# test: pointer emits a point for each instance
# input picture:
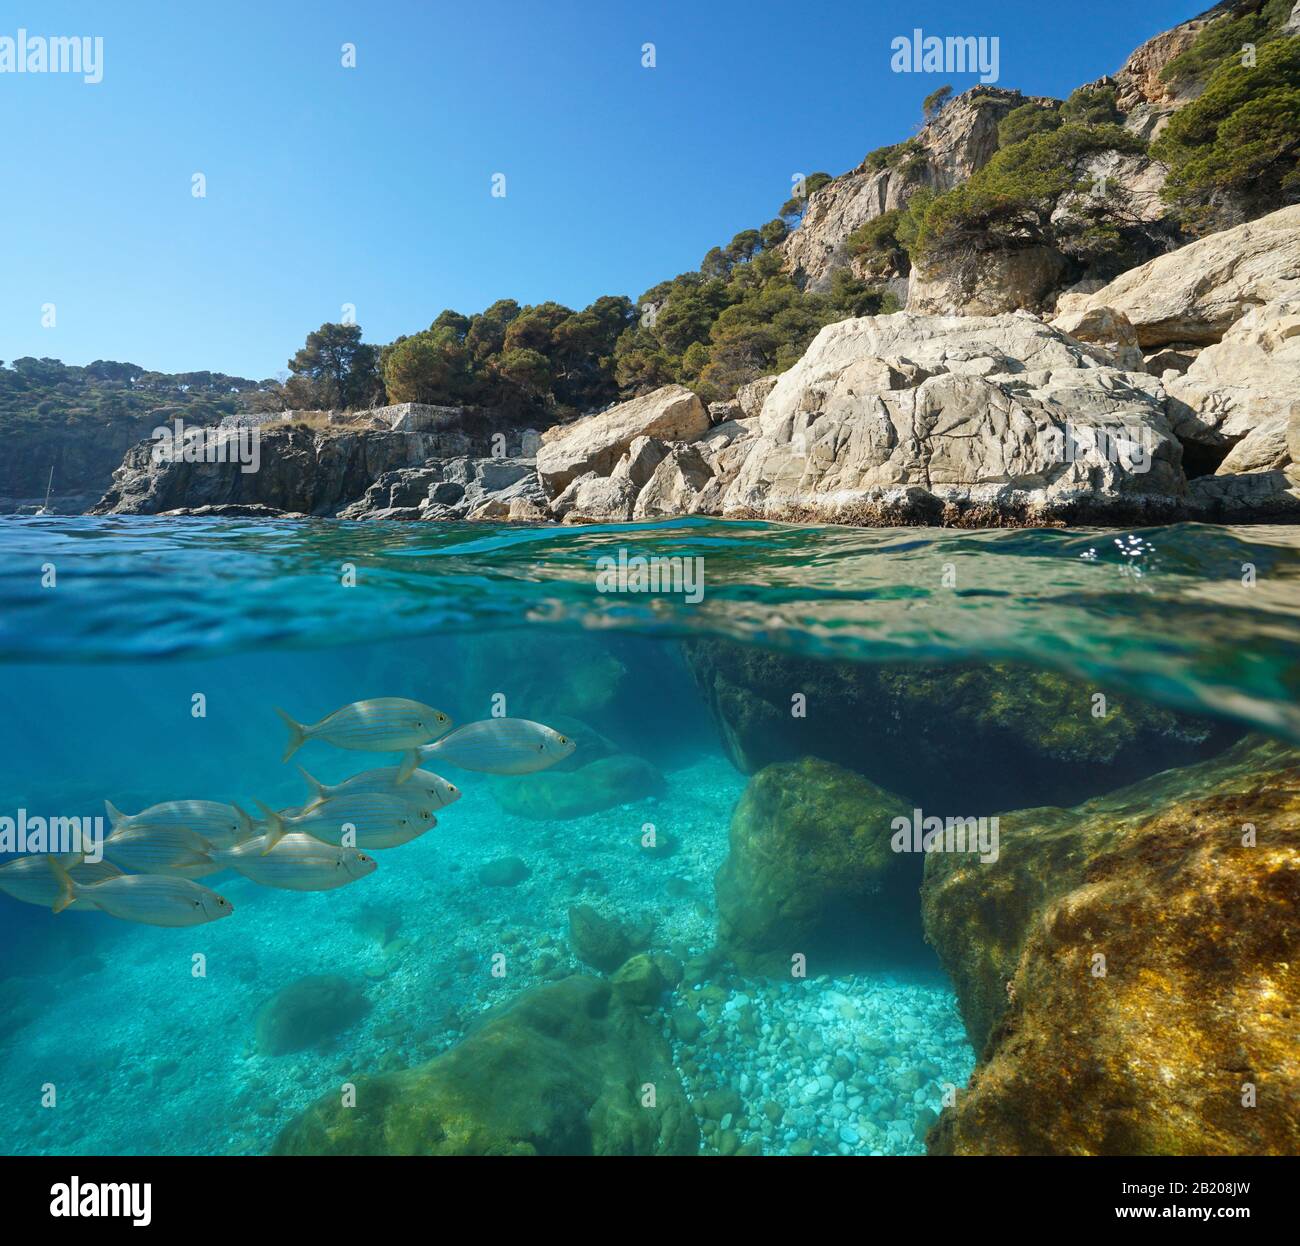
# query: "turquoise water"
(110, 629)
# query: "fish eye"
(563, 740)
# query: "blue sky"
(371, 185)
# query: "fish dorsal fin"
(116, 818)
(315, 785)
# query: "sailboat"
(45, 509)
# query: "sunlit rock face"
(1128, 968)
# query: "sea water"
(143, 660)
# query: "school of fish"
(152, 859)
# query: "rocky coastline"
(1166, 395)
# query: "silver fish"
(297, 862)
(494, 745)
(221, 825)
(148, 899)
(157, 849)
(381, 725)
(367, 821)
(423, 788)
(31, 880)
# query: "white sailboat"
(45, 509)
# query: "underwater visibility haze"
(793, 841)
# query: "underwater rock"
(810, 867)
(639, 981)
(560, 794)
(599, 941)
(965, 739)
(1128, 968)
(308, 1013)
(556, 1072)
(503, 872)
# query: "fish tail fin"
(316, 786)
(67, 888)
(410, 763)
(274, 827)
(115, 816)
(297, 734)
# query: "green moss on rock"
(308, 1013)
(1148, 1050)
(966, 738)
(810, 866)
(561, 1071)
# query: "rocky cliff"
(960, 140)
(1167, 395)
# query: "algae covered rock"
(1128, 969)
(503, 872)
(308, 1013)
(563, 1070)
(810, 867)
(967, 738)
(639, 981)
(599, 941)
(559, 794)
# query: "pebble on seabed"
(850, 1065)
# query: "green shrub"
(1239, 138)
(1026, 121)
(1225, 37)
(1011, 199)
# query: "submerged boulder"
(559, 794)
(602, 942)
(560, 1071)
(309, 1013)
(810, 868)
(966, 738)
(1128, 969)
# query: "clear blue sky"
(371, 185)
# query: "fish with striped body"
(160, 850)
(370, 820)
(221, 825)
(296, 862)
(147, 899)
(496, 746)
(423, 787)
(380, 725)
(31, 880)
